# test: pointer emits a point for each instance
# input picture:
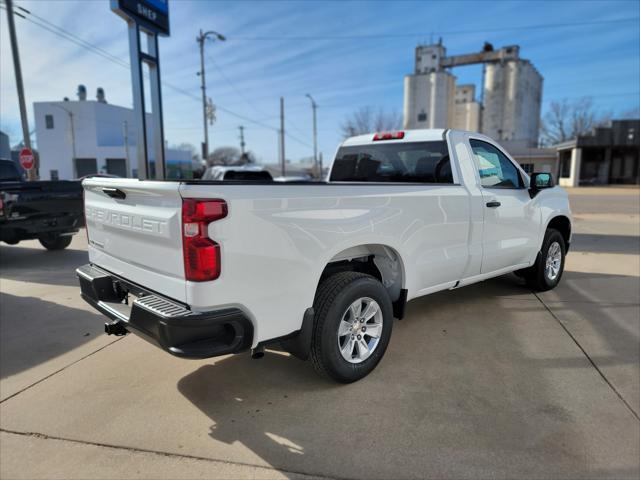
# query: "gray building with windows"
(609, 155)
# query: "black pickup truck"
(48, 211)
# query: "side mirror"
(540, 181)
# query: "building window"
(565, 165)
(527, 167)
(422, 117)
(54, 175)
(48, 121)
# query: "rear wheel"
(546, 273)
(353, 323)
(55, 242)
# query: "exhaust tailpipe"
(115, 328)
(257, 352)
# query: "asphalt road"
(487, 381)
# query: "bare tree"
(230, 156)
(367, 120)
(566, 120)
(632, 113)
(193, 152)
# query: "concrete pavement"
(486, 381)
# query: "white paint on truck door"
(511, 223)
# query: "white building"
(428, 100)
(466, 109)
(512, 94)
(429, 58)
(512, 101)
(77, 138)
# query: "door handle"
(114, 193)
(493, 204)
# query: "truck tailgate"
(45, 199)
(134, 231)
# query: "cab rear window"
(416, 162)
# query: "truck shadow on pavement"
(471, 385)
(33, 331)
(38, 265)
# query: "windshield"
(415, 162)
(8, 171)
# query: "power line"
(442, 32)
(67, 35)
(71, 38)
(75, 37)
(250, 104)
(63, 33)
(233, 86)
(598, 95)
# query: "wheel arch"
(379, 260)
(562, 223)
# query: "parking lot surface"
(490, 380)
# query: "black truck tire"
(546, 273)
(55, 242)
(350, 298)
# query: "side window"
(495, 169)
(48, 121)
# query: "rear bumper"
(162, 321)
(32, 228)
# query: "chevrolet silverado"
(203, 269)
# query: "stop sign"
(26, 159)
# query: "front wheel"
(55, 242)
(353, 323)
(545, 274)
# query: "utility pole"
(282, 154)
(203, 85)
(241, 140)
(73, 135)
(314, 106)
(26, 139)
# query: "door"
(86, 166)
(117, 166)
(511, 222)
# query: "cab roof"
(424, 135)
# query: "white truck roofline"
(418, 135)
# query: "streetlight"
(315, 136)
(201, 39)
(73, 136)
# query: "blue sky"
(347, 54)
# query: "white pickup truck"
(203, 269)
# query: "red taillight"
(388, 136)
(201, 254)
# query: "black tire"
(334, 296)
(55, 242)
(536, 276)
